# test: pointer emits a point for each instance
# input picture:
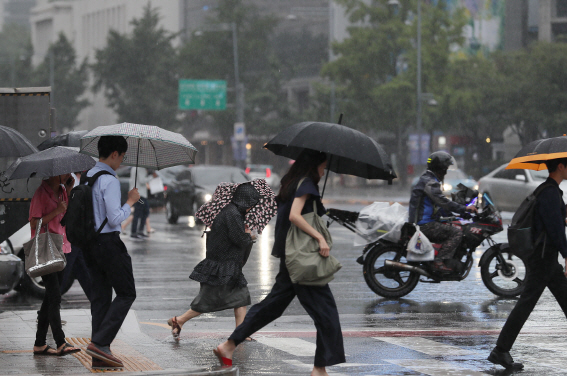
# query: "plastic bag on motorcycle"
(380, 220)
(419, 247)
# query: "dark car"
(194, 186)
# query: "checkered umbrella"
(257, 217)
(148, 146)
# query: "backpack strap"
(91, 180)
(543, 234)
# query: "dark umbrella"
(14, 144)
(67, 139)
(350, 151)
(533, 155)
(58, 160)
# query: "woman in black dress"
(293, 201)
(229, 242)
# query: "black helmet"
(440, 162)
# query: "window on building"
(561, 8)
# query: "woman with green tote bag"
(295, 200)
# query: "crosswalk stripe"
(426, 346)
(434, 367)
(305, 366)
(293, 346)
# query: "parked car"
(451, 180)
(194, 186)
(507, 188)
(260, 171)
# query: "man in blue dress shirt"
(111, 267)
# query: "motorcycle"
(389, 274)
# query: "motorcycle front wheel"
(388, 283)
(507, 284)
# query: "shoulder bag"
(302, 259)
(44, 253)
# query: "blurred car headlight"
(447, 187)
(208, 197)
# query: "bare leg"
(226, 348)
(182, 320)
(127, 222)
(148, 227)
(239, 314)
(319, 371)
(187, 316)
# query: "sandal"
(68, 349)
(46, 351)
(250, 339)
(174, 325)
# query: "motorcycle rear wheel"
(499, 283)
(387, 283)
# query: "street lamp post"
(418, 117)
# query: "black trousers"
(544, 272)
(448, 235)
(76, 265)
(49, 314)
(141, 213)
(319, 304)
(112, 269)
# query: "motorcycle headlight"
(208, 197)
(447, 187)
(475, 187)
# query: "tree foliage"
(69, 82)
(138, 72)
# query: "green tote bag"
(302, 259)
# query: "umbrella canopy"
(257, 218)
(148, 146)
(58, 160)
(68, 139)
(350, 151)
(533, 155)
(14, 144)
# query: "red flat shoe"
(225, 362)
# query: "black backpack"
(79, 220)
(520, 232)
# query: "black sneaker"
(142, 235)
(504, 359)
(136, 237)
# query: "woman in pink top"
(49, 203)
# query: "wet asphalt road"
(438, 329)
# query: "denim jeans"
(141, 213)
(49, 313)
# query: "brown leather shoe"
(96, 352)
(439, 266)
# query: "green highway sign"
(202, 95)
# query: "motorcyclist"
(428, 203)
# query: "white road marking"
(293, 346)
(434, 367)
(426, 346)
(305, 366)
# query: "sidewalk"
(141, 354)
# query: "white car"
(256, 171)
(508, 188)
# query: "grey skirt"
(218, 298)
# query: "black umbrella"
(58, 160)
(14, 144)
(68, 139)
(533, 155)
(350, 151)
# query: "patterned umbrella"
(256, 219)
(148, 146)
